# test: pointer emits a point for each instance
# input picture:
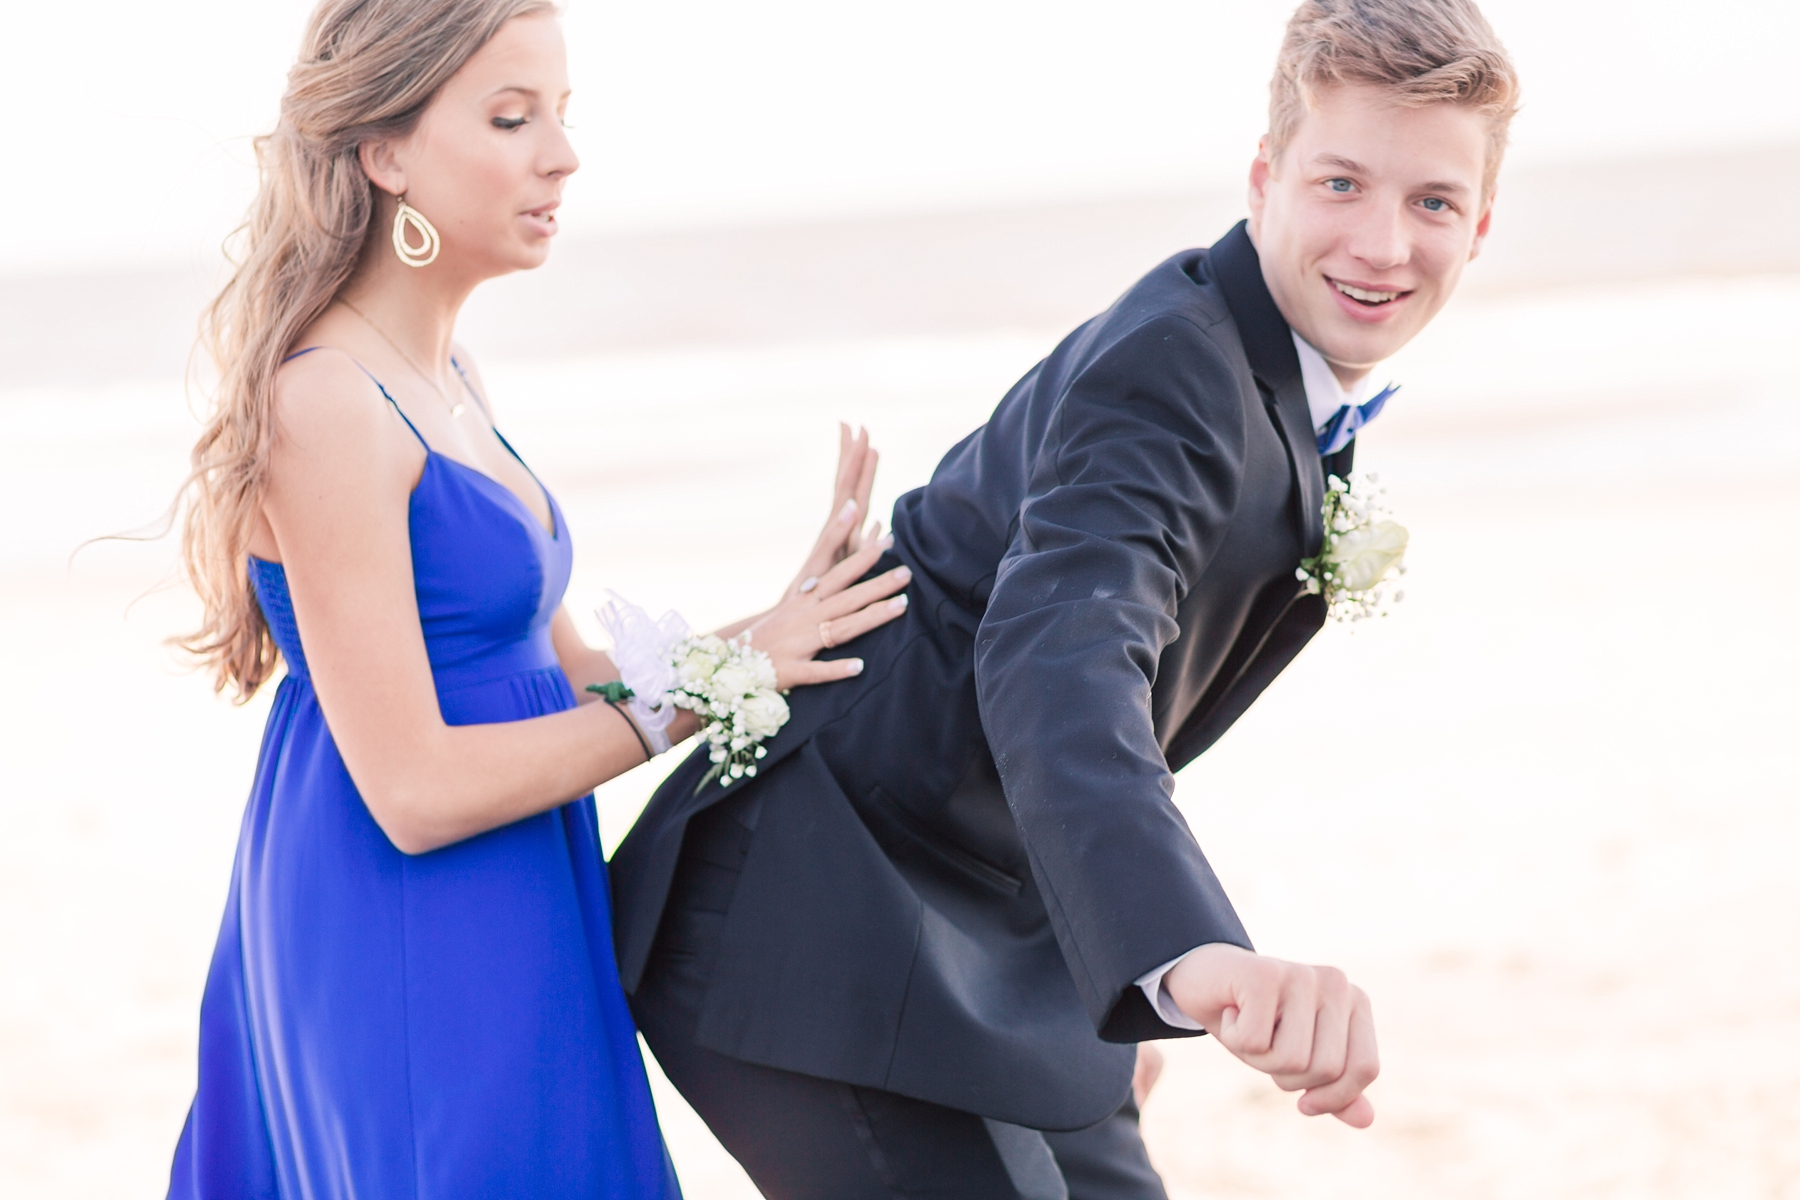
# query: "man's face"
(1366, 219)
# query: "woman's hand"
(835, 610)
(844, 533)
(825, 607)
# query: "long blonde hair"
(367, 70)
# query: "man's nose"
(1379, 237)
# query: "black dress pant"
(805, 1138)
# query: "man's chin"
(1357, 346)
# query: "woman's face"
(487, 162)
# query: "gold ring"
(825, 634)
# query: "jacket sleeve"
(1132, 496)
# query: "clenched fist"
(1308, 1028)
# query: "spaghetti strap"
(464, 375)
(480, 402)
(398, 411)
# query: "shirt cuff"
(1160, 1000)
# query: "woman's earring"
(422, 254)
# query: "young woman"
(413, 992)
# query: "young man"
(958, 891)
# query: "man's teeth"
(1363, 294)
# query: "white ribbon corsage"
(728, 684)
(1364, 547)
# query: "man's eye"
(508, 122)
(1434, 204)
(1339, 185)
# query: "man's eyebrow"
(1444, 185)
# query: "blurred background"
(1545, 814)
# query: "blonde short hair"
(1417, 51)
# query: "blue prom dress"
(440, 1026)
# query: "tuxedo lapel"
(1269, 347)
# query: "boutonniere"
(1364, 548)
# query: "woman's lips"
(542, 220)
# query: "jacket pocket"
(944, 853)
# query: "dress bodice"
(486, 576)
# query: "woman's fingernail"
(848, 511)
(853, 666)
(903, 574)
(808, 584)
(887, 543)
(898, 603)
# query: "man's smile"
(1366, 303)
(1368, 296)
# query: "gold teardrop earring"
(426, 251)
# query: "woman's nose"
(562, 159)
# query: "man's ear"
(382, 167)
(1261, 171)
(1481, 228)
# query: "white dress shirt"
(1324, 397)
(1324, 394)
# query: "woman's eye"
(508, 122)
(1339, 185)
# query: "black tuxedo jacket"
(964, 857)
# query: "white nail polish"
(898, 603)
(853, 666)
(808, 584)
(848, 511)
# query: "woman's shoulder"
(324, 401)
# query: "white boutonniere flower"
(1364, 549)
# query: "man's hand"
(1308, 1028)
(1149, 1070)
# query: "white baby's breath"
(1364, 547)
(730, 686)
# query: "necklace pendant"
(456, 410)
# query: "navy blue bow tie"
(1347, 420)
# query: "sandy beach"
(1545, 813)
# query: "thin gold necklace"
(455, 407)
